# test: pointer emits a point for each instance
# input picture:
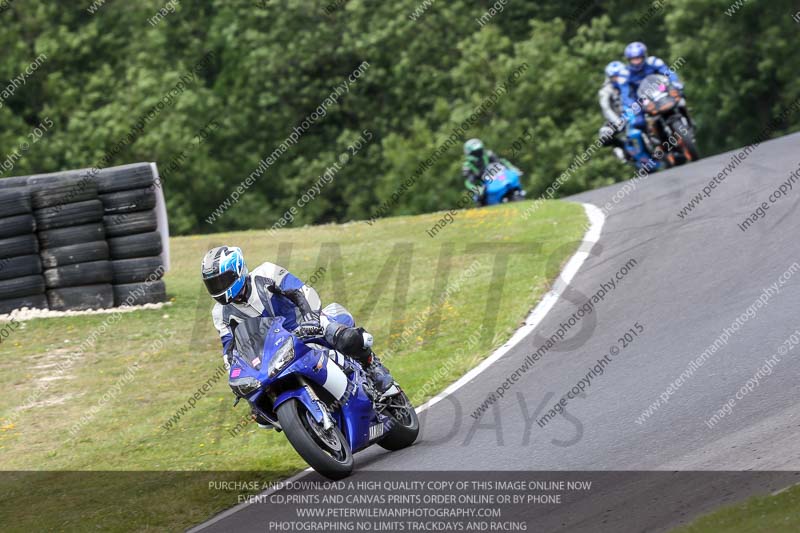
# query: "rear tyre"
(404, 423)
(327, 452)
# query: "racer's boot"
(379, 374)
(357, 343)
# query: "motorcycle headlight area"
(243, 386)
(282, 358)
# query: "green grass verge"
(176, 351)
(769, 514)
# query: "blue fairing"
(357, 414)
(637, 149)
(501, 185)
(353, 413)
(302, 395)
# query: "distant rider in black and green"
(477, 159)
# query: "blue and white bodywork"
(331, 397)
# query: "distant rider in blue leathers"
(639, 67)
(272, 291)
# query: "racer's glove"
(272, 287)
(229, 355)
(309, 326)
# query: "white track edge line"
(596, 221)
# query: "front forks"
(327, 421)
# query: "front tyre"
(690, 148)
(404, 423)
(517, 195)
(686, 142)
(327, 452)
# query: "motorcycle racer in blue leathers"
(639, 67)
(271, 291)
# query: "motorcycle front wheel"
(686, 142)
(690, 149)
(326, 451)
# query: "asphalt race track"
(691, 279)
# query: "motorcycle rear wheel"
(327, 452)
(405, 424)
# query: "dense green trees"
(431, 66)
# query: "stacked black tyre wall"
(21, 280)
(74, 252)
(81, 239)
(131, 226)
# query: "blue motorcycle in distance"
(500, 184)
(321, 400)
(636, 144)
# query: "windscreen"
(494, 172)
(249, 336)
(653, 87)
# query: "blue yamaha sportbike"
(323, 401)
(500, 184)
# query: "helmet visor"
(217, 285)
